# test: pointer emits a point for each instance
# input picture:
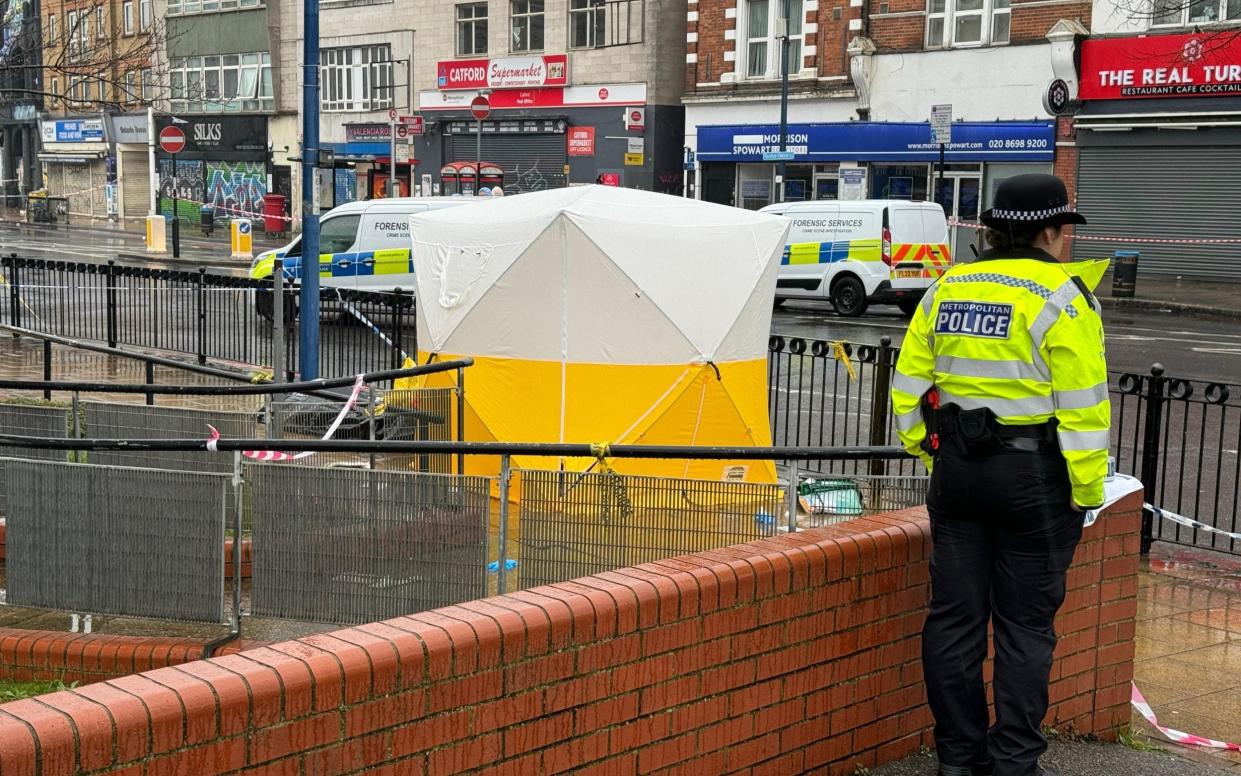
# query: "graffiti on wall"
(186, 182)
(236, 187)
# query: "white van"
(862, 252)
(362, 245)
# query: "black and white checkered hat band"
(1030, 215)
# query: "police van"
(861, 252)
(362, 245)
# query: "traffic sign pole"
(176, 217)
(172, 140)
(481, 108)
(392, 150)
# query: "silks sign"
(880, 141)
(1195, 65)
(505, 73)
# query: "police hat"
(1033, 199)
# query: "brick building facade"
(863, 77)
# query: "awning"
(1184, 113)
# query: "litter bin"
(274, 222)
(206, 216)
(1124, 273)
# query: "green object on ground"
(15, 691)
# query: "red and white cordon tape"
(1137, 240)
(1189, 739)
(273, 455)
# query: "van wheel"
(849, 296)
(909, 306)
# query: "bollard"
(242, 238)
(1124, 273)
(157, 234)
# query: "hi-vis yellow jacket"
(1016, 335)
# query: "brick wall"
(778, 656)
(903, 26)
(1066, 166)
(85, 658)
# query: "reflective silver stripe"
(928, 300)
(915, 386)
(908, 421)
(1059, 302)
(1082, 398)
(1004, 408)
(1000, 369)
(1084, 440)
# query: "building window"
(207, 6)
(587, 23)
(127, 15)
(527, 25)
(214, 84)
(131, 86)
(357, 78)
(471, 29)
(51, 29)
(967, 23)
(148, 86)
(101, 31)
(762, 44)
(144, 14)
(1178, 13)
(71, 32)
(56, 87)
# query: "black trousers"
(1003, 536)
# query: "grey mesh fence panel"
(138, 421)
(32, 420)
(421, 414)
(106, 539)
(574, 524)
(354, 546)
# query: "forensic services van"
(362, 245)
(861, 252)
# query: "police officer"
(1001, 389)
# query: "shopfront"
(129, 134)
(545, 132)
(78, 166)
(224, 165)
(1159, 151)
(362, 166)
(877, 160)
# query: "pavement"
(1079, 758)
(1199, 298)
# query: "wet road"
(1187, 347)
(127, 247)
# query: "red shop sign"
(504, 73)
(1162, 66)
(581, 141)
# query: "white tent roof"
(596, 274)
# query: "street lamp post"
(783, 31)
(308, 326)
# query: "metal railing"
(206, 315)
(349, 546)
(1178, 436)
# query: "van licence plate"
(908, 273)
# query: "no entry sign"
(171, 140)
(480, 107)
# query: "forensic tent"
(604, 315)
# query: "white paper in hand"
(1115, 488)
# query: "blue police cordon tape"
(494, 566)
(1190, 522)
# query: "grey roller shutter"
(531, 162)
(136, 180)
(1165, 193)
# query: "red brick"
(666, 753)
(575, 753)
(538, 734)
(474, 753)
(538, 671)
(279, 741)
(216, 757)
(597, 716)
(349, 756)
(426, 734)
(508, 710)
